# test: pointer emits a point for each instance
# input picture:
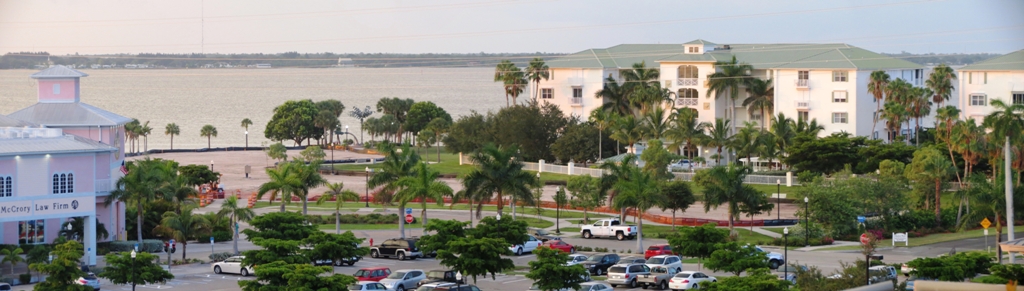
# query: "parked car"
(400, 248)
(433, 286)
(233, 265)
(366, 285)
(560, 245)
(401, 280)
(88, 280)
(788, 272)
(438, 276)
(673, 263)
(531, 244)
(609, 228)
(632, 260)
(329, 262)
(906, 269)
(882, 273)
(689, 280)
(374, 274)
(627, 274)
(680, 165)
(585, 286)
(774, 259)
(598, 264)
(5, 287)
(657, 250)
(657, 278)
(457, 288)
(542, 235)
(576, 259)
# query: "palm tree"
(746, 142)
(172, 129)
(893, 114)
(284, 183)
(732, 75)
(131, 130)
(337, 192)
(237, 212)
(811, 128)
(618, 172)
(144, 131)
(784, 131)
(310, 176)
(628, 130)
(718, 137)
(614, 98)
(184, 226)
(769, 148)
(177, 190)
(762, 97)
(724, 185)
(947, 118)
(515, 83)
(422, 185)
(208, 131)
(941, 83)
(500, 71)
(988, 199)
(12, 256)
(536, 71)
(245, 124)
(898, 92)
(1006, 123)
(969, 141)
(397, 163)
(601, 119)
(641, 188)
(439, 126)
(499, 172)
(646, 98)
(361, 115)
(139, 187)
(655, 123)
(920, 106)
(639, 76)
(877, 85)
(686, 130)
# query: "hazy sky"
(463, 26)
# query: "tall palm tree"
(499, 172)
(686, 130)
(947, 118)
(808, 128)
(361, 115)
(310, 176)
(184, 227)
(284, 183)
(641, 85)
(237, 212)
(515, 83)
(131, 133)
(144, 131)
(941, 83)
(655, 123)
(398, 163)
(769, 148)
(733, 74)
(988, 199)
(536, 71)
(746, 142)
(139, 187)
(245, 124)
(642, 191)
(500, 75)
(615, 98)
(337, 192)
(602, 119)
(172, 129)
(968, 139)
(899, 92)
(647, 98)
(628, 130)
(761, 97)
(724, 185)
(718, 137)
(177, 190)
(208, 131)
(423, 184)
(920, 106)
(877, 85)
(1006, 123)
(893, 113)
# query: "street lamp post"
(778, 198)
(133, 271)
(785, 255)
(807, 222)
(211, 165)
(246, 140)
(368, 173)
(558, 208)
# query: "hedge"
(148, 245)
(217, 257)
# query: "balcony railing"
(686, 101)
(687, 82)
(802, 83)
(803, 105)
(575, 81)
(576, 101)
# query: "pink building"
(59, 159)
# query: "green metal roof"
(700, 41)
(1009, 62)
(620, 56)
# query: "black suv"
(400, 248)
(598, 264)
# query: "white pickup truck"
(609, 228)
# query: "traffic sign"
(211, 240)
(861, 219)
(408, 218)
(864, 239)
(985, 223)
(408, 211)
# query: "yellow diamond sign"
(985, 223)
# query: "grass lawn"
(926, 240)
(570, 230)
(345, 227)
(536, 222)
(449, 165)
(745, 235)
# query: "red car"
(374, 274)
(560, 245)
(657, 250)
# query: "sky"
(496, 26)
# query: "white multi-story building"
(827, 82)
(999, 78)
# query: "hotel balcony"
(575, 81)
(576, 101)
(686, 101)
(687, 82)
(802, 84)
(803, 105)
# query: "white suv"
(672, 263)
(402, 280)
(233, 265)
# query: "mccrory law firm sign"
(57, 207)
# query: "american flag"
(124, 169)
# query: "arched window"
(56, 183)
(687, 97)
(71, 183)
(63, 183)
(687, 71)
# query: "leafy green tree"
(549, 272)
(123, 269)
(334, 246)
(584, 193)
(172, 129)
(578, 143)
(602, 120)
(698, 242)
(955, 268)
(63, 270)
(279, 235)
(138, 187)
(423, 184)
(724, 185)
(293, 120)
(873, 152)
(512, 232)
(834, 203)
(734, 258)
(930, 166)
(12, 256)
(278, 151)
(38, 254)
(422, 113)
(824, 155)
(238, 213)
(499, 172)
(284, 183)
(312, 153)
(532, 129)
(444, 231)
(1013, 273)
(184, 227)
(337, 192)
(756, 279)
(677, 197)
(398, 109)
(656, 160)
(477, 256)
(468, 134)
(208, 131)
(275, 276)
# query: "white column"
(789, 179)
(571, 166)
(90, 240)
(540, 166)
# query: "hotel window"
(1018, 98)
(547, 93)
(756, 116)
(803, 115)
(694, 49)
(840, 76)
(803, 75)
(978, 100)
(838, 96)
(839, 117)
(31, 232)
(577, 92)
(56, 89)
(63, 183)
(6, 186)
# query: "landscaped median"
(924, 240)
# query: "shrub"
(25, 278)
(217, 257)
(220, 235)
(989, 280)
(148, 245)
(806, 177)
